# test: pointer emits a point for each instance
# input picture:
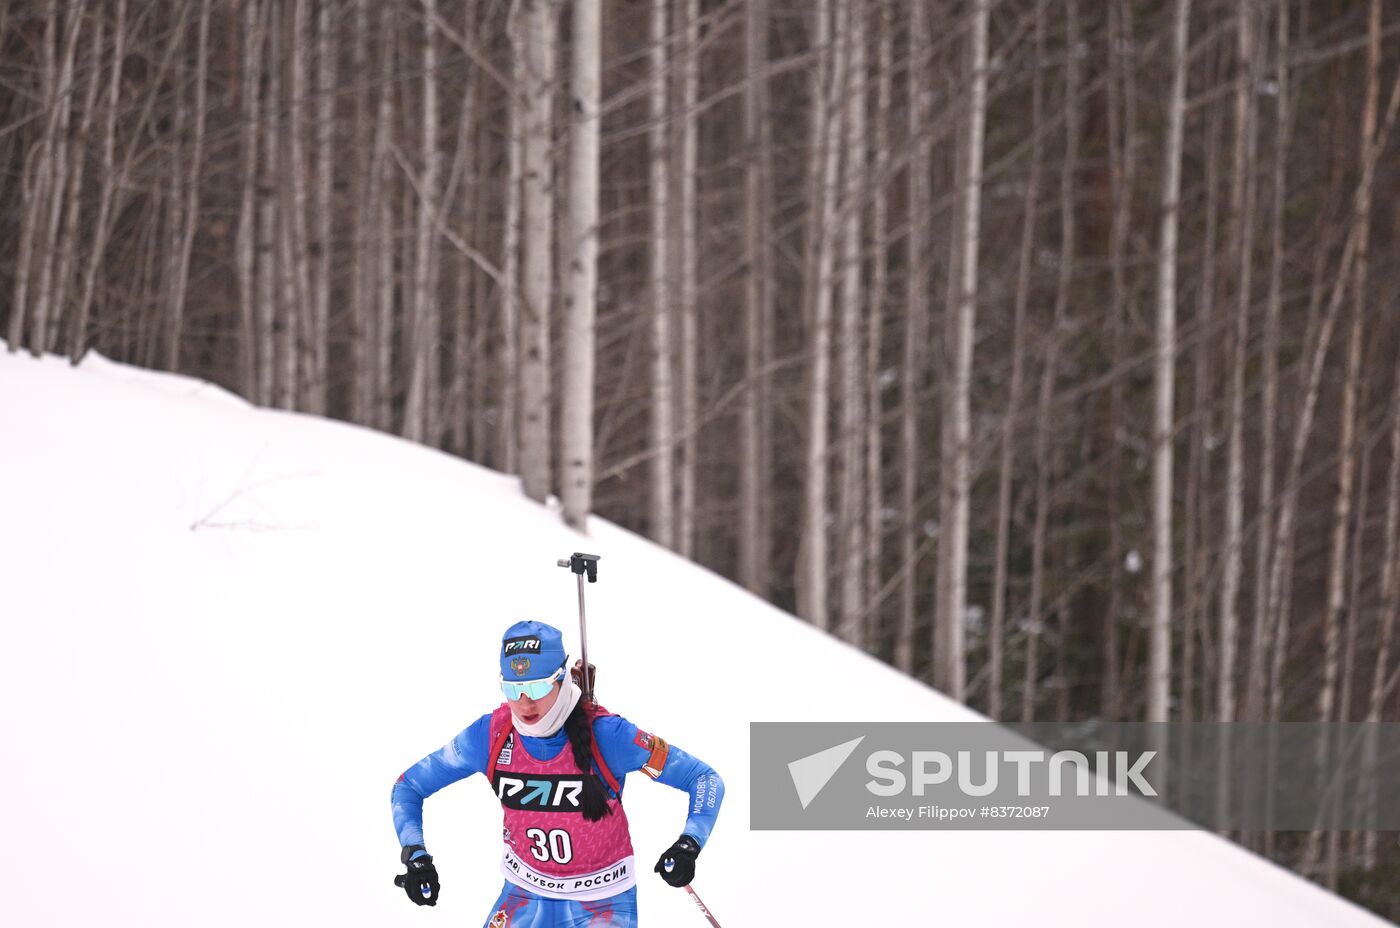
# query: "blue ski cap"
(531, 651)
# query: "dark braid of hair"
(579, 727)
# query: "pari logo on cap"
(526, 645)
(531, 650)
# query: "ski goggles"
(535, 689)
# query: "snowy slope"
(224, 631)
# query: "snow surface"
(224, 631)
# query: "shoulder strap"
(596, 712)
(499, 733)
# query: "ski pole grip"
(582, 564)
(585, 684)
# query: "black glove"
(421, 880)
(677, 865)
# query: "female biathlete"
(557, 763)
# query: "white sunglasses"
(535, 689)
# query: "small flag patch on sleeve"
(658, 747)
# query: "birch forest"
(1046, 349)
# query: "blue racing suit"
(624, 749)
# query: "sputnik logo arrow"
(811, 773)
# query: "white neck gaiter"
(553, 720)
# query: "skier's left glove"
(421, 880)
(677, 864)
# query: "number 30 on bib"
(552, 845)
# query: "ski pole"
(703, 910)
(583, 565)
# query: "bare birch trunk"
(190, 213)
(406, 237)
(31, 195)
(1335, 601)
(460, 417)
(430, 324)
(1268, 404)
(482, 388)
(277, 306)
(874, 334)
(950, 665)
(1352, 617)
(996, 632)
(538, 259)
(945, 366)
(155, 337)
(1044, 458)
(361, 271)
(1159, 671)
(245, 248)
(580, 289)
(326, 94)
(385, 309)
(150, 281)
(753, 536)
(850, 502)
(297, 233)
(34, 175)
(108, 185)
(690, 284)
(264, 233)
(1241, 248)
(1346, 460)
(34, 246)
(508, 432)
(1034, 625)
(915, 321)
(73, 201)
(1200, 528)
(459, 413)
(379, 288)
(1354, 612)
(423, 325)
(56, 160)
(662, 522)
(812, 602)
(1346, 445)
(1122, 113)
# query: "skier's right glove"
(677, 863)
(421, 880)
